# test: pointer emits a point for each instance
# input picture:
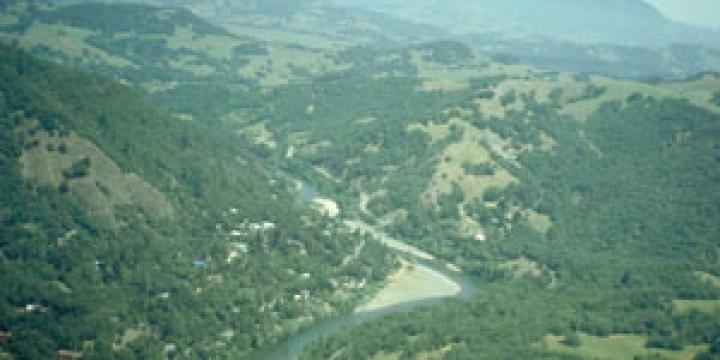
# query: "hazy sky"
(696, 12)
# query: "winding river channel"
(292, 347)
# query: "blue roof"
(199, 263)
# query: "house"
(169, 348)
(199, 263)
(31, 308)
(265, 225)
(237, 249)
(240, 246)
(453, 267)
(68, 354)
(304, 295)
(480, 236)
(65, 238)
(237, 232)
(232, 256)
(305, 276)
(165, 295)
(4, 335)
(234, 211)
(267, 306)
(326, 207)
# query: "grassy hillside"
(153, 47)
(312, 23)
(129, 232)
(415, 134)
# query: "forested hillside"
(584, 205)
(151, 161)
(129, 232)
(154, 47)
(632, 248)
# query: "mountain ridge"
(625, 22)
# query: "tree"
(572, 340)
(79, 169)
(508, 98)
(492, 194)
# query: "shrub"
(79, 169)
(571, 340)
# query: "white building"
(232, 256)
(240, 246)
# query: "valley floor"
(387, 240)
(413, 282)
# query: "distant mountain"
(158, 47)
(339, 24)
(624, 22)
(623, 61)
(621, 38)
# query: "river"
(291, 348)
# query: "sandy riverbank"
(412, 282)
